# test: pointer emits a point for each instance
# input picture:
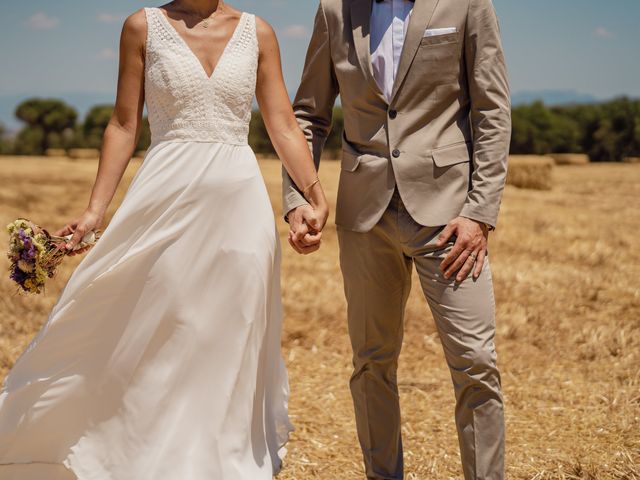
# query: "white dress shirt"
(389, 22)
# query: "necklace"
(205, 21)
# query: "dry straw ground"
(566, 265)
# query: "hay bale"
(570, 158)
(84, 153)
(55, 152)
(631, 160)
(530, 171)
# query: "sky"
(68, 48)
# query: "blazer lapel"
(361, 29)
(420, 18)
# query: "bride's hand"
(307, 223)
(317, 219)
(78, 228)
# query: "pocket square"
(433, 32)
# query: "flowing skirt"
(161, 359)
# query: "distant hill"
(552, 97)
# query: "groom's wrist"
(484, 225)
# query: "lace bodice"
(183, 103)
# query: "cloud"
(602, 32)
(42, 21)
(295, 31)
(110, 18)
(107, 54)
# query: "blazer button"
(395, 153)
(393, 114)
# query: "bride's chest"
(171, 68)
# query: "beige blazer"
(443, 139)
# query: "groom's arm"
(490, 116)
(490, 113)
(313, 105)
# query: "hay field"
(566, 264)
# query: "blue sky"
(68, 47)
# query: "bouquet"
(35, 254)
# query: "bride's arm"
(122, 133)
(285, 133)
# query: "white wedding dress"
(161, 359)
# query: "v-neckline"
(180, 39)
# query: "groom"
(424, 91)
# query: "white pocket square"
(433, 32)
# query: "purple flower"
(29, 254)
(18, 276)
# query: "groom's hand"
(305, 233)
(468, 252)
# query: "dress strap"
(248, 39)
(152, 25)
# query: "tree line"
(608, 131)
(51, 123)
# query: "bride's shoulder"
(136, 23)
(134, 29)
(137, 19)
(264, 31)
(267, 39)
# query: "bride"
(161, 358)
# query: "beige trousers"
(376, 266)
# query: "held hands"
(79, 227)
(306, 224)
(468, 252)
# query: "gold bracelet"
(305, 191)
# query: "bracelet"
(305, 191)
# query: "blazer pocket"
(350, 161)
(438, 58)
(452, 154)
